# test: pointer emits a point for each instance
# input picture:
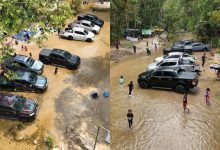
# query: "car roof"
(167, 69)
(85, 21)
(21, 75)
(171, 60)
(20, 58)
(78, 29)
(7, 100)
(175, 53)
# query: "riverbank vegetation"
(201, 17)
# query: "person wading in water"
(130, 87)
(130, 117)
(185, 102)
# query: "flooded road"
(159, 120)
(66, 102)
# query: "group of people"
(206, 97)
(130, 115)
(117, 43)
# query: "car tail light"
(193, 82)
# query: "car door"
(57, 60)
(80, 35)
(167, 80)
(20, 85)
(197, 46)
(7, 112)
(86, 26)
(155, 79)
(20, 66)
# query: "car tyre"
(144, 85)
(180, 89)
(70, 38)
(89, 40)
(205, 49)
(94, 32)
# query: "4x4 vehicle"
(23, 63)
(168, 78)
(24, 81)
(59, 57)
(199, 46)
(94, 19)
(77, 33)
(88, 25)
(184, 65)
(17, 107)
(175, 48)
(183, 43)
(184, 56)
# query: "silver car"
(185, 65)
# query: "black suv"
(23, 63)
(172, 78)
(59, 57)
(178, 48)
(17, 107)
(94, 19)
(24, 81)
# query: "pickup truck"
(59, 57)
(186, 49)
(168, 78)
(94, 19)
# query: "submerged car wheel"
(88, 40)
(70, 38)
(144, 85)
(180, 89)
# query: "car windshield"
(86, 32)
(67, 55)
(32, 78)
(29, 62)
(159, 63)
(19, 102)
(92, 24)
(165, 56)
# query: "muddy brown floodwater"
(159, 120)
(67, 102)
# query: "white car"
(185, 65)
(77, 33)
(184, 56)
(88, 25)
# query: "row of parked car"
(188, 46)
(28, 72)
(175, 70)
(83, 29)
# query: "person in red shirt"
(185, 102)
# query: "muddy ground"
(66, 111)
(159, 120)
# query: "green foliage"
(50, 142)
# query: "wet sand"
(159, 120)
(67, 102)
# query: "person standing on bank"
(130, 87)
(185, 102)
(130, 117)
(134, 48)
(203, 59)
